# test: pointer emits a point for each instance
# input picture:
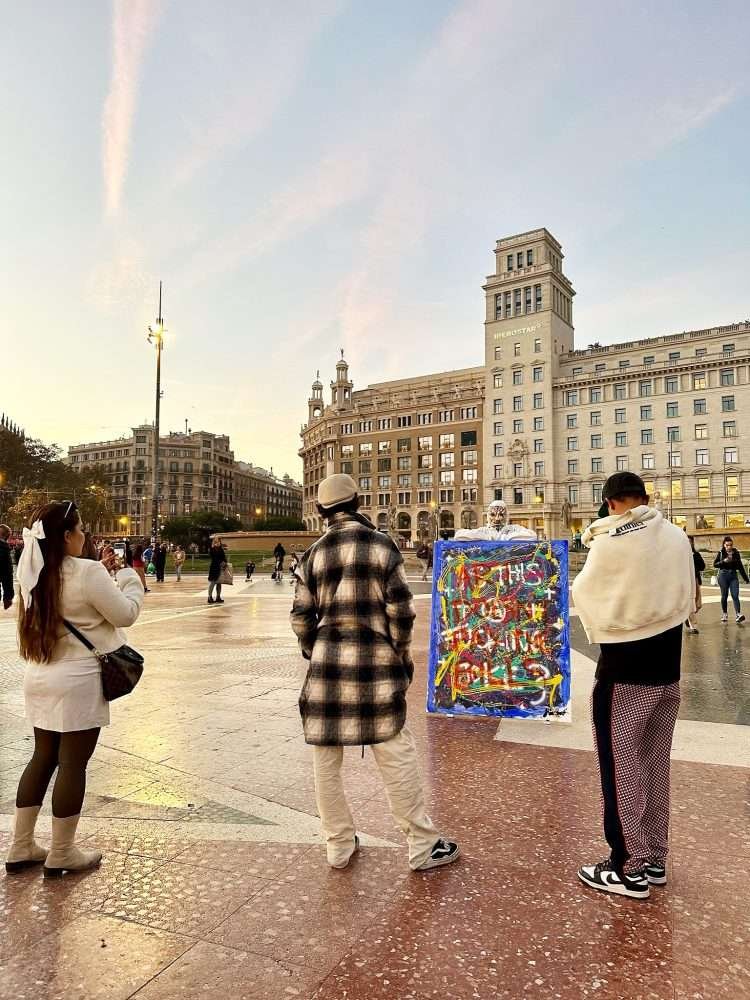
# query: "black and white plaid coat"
(353, 614)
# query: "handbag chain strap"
(82, 638)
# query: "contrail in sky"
(132, 27)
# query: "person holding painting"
(637, 616)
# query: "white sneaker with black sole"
(740, 619)
(604, 878)
(724, 618)
(656, 873)
(442, 853)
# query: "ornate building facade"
(551, 421)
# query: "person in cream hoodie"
(633, 594)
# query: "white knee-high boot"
(24, 852)
(63, 855)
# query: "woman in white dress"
(62, 685)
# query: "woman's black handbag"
(121, 669)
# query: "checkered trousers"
(353, 614)
(633, 728)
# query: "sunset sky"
(314, 175)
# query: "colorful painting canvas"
(500, 638)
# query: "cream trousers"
(399, 769)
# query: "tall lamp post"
(669, 460)
(156, 337)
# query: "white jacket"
(97, 606)
(638, 579)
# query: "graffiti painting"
(499, 638)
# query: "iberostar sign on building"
(541, 424)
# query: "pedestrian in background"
(6, 568)
(636, 615)
(139, 565)
(698, 565)
(179, 561)
(128, 554)
(160, 561)
(728, 562)
(423, 553)
(218, 560)
(62, 684)
(353, 615)
(249, 570)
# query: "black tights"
(69, 753)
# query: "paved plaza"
(214, 882)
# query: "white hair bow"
(31, 563)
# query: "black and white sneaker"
(442, 853)
(656, 872)
(740, 619)
(605, 878)
(724, 618)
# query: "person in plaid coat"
(353, 615)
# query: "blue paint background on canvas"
(498, 560)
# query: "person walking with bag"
(63, 692)
(698, 565)
(728, 563)
(353, 615)
(179, 560)
(218, 557)
(636, 616)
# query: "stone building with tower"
(412, 445)
(550, 420)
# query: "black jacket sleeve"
(700, 564)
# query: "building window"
(365, 465)
(365, 482)
(674, 459)
(403, 444)
(672, 410)
(727, 404)
(727, 348)
(498, 352)
(572, 466)
(469, 475)
(538, 423)
(529, 258)
(727, 376)
(601, 367)
(621, 463)
(446, 496)
(519, 259)
(620, 391)
(498, 472)
(384, 465)
(733, 491)
(497, 406)
(445, 416)
(699, 406)
(516, 350)
(508, 304)
(538, 444)
(538, 342)
(447, 460)
(624, 363)
(424, 418)
(645, 386)
(596, 441)
(673, 433)
(469, 457)
(527, 299)
(384, 481)
(647, 461)
(447, 477)
(424, 478)
(517, 302)
(596, 418)
(538, 401)
(571, 420)
(517, 377)
(730, 456)
(384, 423)
(365, 448)
(595, 395)
(729, 428)
(572, 444)
(384, 447)
(573, 495)
(497, 380)
(518, 426)
(647, 435)
(620, 416)
(621, 439)
(571, 397)
(596, 493)
(537, 298)
(468, 438)
(499, 306)
(671, 384)
(424, 443)
(509, 261)
(517, 495)
(404, 463)
(699, 380)
(538, 374)
(648, 360)
(468, 412)
(577, 371)
(701, 432)
(518, 403)
(497, 449)
(497, 427)
(538, 468)
(447, 441)
(597, 464)
(701, 456)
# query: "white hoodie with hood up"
(638, 579)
